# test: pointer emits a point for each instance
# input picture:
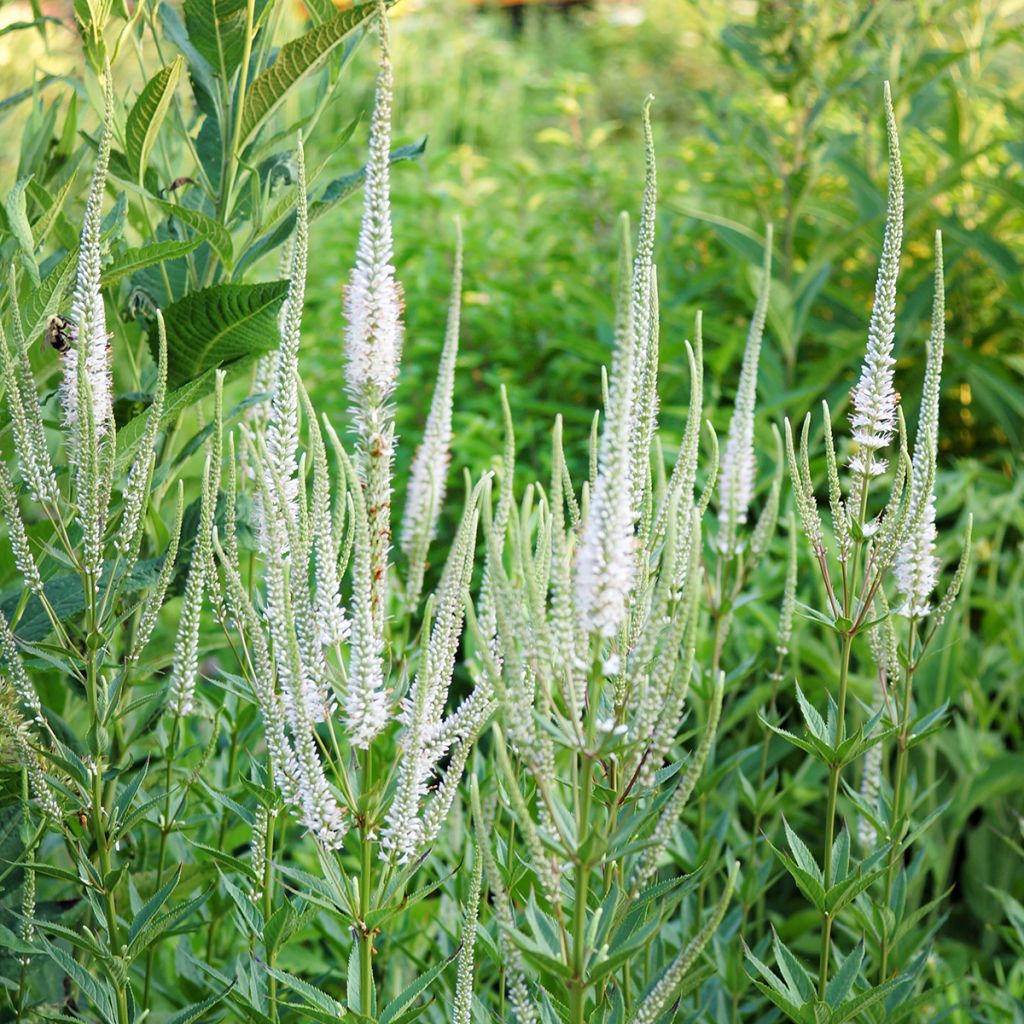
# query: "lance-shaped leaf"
(295, 61)
(147, 114)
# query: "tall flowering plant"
(873, 546)
(588, 639)
(362, 747)
(95, 580)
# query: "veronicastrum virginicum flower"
(373, 334)
(874, 398)
(428, 475)
(917, 567)
(737, 470)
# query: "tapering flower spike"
(427, 477)
(185, 671)
(463, 1011)
(89, 337)
(373, 305)
(283, 425)
(373, 336)
(644, 300)
(605, 561)
(365, 705)
(26, 416)
(737, 470)
(874, 397)
(917, 567)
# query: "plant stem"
(365, 890)
(165, 829)
(578, 986)
(93, 646)
(898, 786)
(835, 770)
(268, 903)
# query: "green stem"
(165, 830)
(578, 984)
(268, 903)
(835, 770)
(365, 891)
(99, 834)
(898, 786)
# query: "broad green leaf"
(217, 325)
(353, 984)
(216, 28)
(792, 970)
(44, 301)
(44, 224)
(146, 256)
(147, 114)
(841, 982)
(99, 992)
(295, 61)
(278, 928)
(801, 853)
(207, 228)
(66, 597)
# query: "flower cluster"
(874, 398)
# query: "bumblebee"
(60, 333)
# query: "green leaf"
(207, 228)
(67, 597)
(155, 902)
(801, 853)
(296, 60)
(314, 996)
(98, 992)
(278, 928)
(44, 301)
(17, 221)
(353, 982)
(146, 256)
(217, 325)
(842, 981)
(147, 114)
(197, 1010)
(129, 436)
(404, 998)
(216, 28)
(792, 970)
(44, 224)
(77, 937)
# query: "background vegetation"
(763, 112)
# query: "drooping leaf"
(147, 114)
(17, 222)
(146, 256)
(206, 227)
